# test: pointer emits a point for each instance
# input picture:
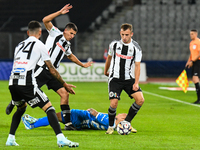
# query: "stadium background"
(161, 27)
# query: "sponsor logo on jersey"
(124, 56)
(62, 48)
(17, 76)
(20, 63)
(18, 70)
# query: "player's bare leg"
(112, 114)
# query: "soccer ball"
(124, 128)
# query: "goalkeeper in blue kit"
(81, 119)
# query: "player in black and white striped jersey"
(122, 55)
(58, 45)
(23, 86)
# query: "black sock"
(16, 120)
(53, 120)
(66, 113)
(197, 90)
(132, 112)
(111, 115)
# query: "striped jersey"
(57, 45)
(123, 56)
(26, 56)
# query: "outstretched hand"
(65, 9)
(88, 64)
(69, 87)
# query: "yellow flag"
(182, 81)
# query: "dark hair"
(71, 26)
(194, 30)
(126, 26)
(33, 25)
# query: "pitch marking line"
(172, 99)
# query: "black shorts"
(30, 94)
(116, 86)
(196, 68)
(45, 77)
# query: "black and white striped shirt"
(26, 56)
(57, 45)
(123, 56)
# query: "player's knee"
(141, 101)
(114, 104)
(64, 94)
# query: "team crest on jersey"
(194, 46)
(130, 50)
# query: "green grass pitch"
(163, 123)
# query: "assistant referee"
(194, 61)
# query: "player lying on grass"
(81, 119)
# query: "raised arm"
(47, 20)
(74, 59)
(55, 73)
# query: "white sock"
(60, 136)
(11, 136)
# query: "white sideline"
(169, 98)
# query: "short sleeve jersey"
(194, 49)
(26, 56)
(57, 45)
(123, 56)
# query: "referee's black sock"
(53, 120)
(197, 90)
(132, 112)
(111, 115)
(16, 120)
(66, 113)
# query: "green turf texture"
(162, 124)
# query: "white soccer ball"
(124, 128)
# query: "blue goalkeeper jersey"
(82, 119)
